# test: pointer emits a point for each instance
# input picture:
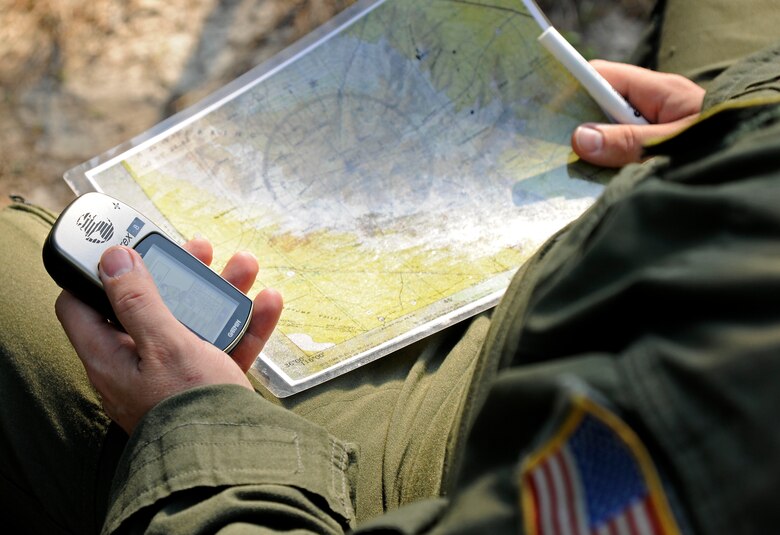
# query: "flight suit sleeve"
(754, 77)
(222, 456)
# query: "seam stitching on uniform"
(222, 443)
(169, 431)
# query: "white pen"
(606, 96)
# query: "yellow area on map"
(333, 288)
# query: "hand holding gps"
(196, 295)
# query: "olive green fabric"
(753, 79)
(52, 429)
(192, 452)
(701, 39)
(678, 281)
(406, 412)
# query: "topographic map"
(391, 172)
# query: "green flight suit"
(657, 307)
(659, 304)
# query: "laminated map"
(391, 172)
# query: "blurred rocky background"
(78, 77)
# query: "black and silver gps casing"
(84, 230)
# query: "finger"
(265, 315)
(241, 271)
(613, 145)
(201, 249)
(137, 303)
(660, 97)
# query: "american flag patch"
(593, 477)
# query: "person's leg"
(56, 461)
(406, 412)
(701, 38)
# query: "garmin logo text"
(96, 230)
(234, 328)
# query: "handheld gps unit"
(197, 296)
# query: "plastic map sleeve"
(391, 172)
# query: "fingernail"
(116, 262)
(589, 139)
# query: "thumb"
(135, 299)
(615, 145)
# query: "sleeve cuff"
(753, 78)
(226, 435)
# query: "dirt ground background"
(78, 77)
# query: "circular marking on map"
(354, 144)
